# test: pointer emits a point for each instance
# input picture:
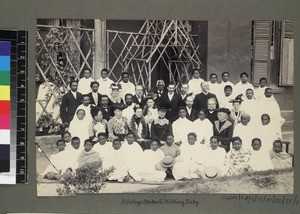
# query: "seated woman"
(215, 156)
(117, 126)
(260, 160)
(236, 113)
(88, 155)
(279, 158)
(79, 126)
(203, 127)
(98, 125)
(237, 159)
(161, 127)
(192, 159)
(151, 157)
(223, 128)
(138, 126)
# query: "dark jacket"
(193, 116)
(173, 104)
(107, 113)
(212, 117)
(92, 101)
(223, 131)
(69, 105)
(200, 101)
(133, 127)
(136, 101)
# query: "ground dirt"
(271, 182)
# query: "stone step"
(289, 136)
(287, 126)
(288, 115)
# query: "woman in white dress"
(79, 126)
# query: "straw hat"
(166, 162)
(211, 172)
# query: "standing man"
(70, 102)
(85, 81)
(214, 85)
(195, 83)
(127, 87)
(201, 99)
(225, 81)
(191, 113)
(184, 89)
(171, 99)
(160, 88)
(242, 86)
(95, 97)
(105, 83)
(139, 98)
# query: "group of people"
(208, 129)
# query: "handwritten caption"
(266, 199)
(160, 201)
(291, 200)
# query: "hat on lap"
(166, 162)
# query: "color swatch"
(5, 53)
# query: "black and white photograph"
(164, 106)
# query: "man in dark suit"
(95, 97)
(212, 115)
(191, 113)
(184, 88)
(69, 104)
(172, 100)
(105, 107)
(201, 99)
(139, 97)
(160, 88)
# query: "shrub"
(87, 179)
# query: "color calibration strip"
(18, 104)
(5, 51)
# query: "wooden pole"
(100, 48)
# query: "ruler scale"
(18, 85)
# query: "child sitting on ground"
(215, 156)
(117, 160)
(72, 155)
(260, 159)
(57, 165)
(134, 154)
(170, 149)
(151, 157)
(279, 158)
(66, 136)
(237, 159)
(88, 155)
(103, 147)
